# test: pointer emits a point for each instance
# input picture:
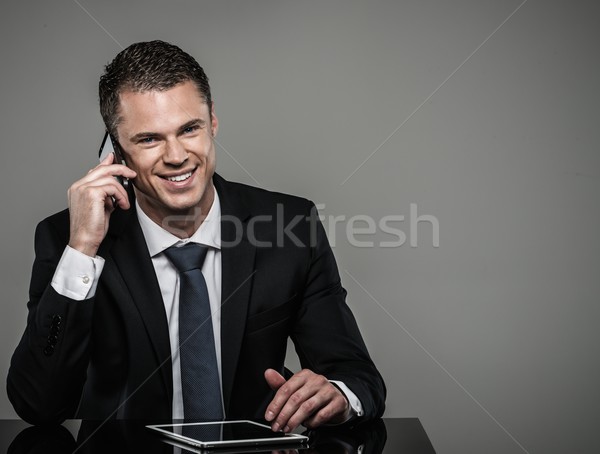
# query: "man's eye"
(147, 140)
(190, 129)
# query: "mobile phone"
(110, 145)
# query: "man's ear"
(214, 121)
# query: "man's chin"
(184, 209)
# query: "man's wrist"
(354, 403)
(83, 247)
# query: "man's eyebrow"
(143, 135)
(195, 122)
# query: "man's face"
(167, 138)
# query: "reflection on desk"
(113, 437)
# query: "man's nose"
(175, 153)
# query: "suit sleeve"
(48, 367)
(326, 336)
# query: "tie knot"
(188, 257)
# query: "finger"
(101, 190)
(336, 411)
(285, 391)
(274, 379)
(116, 170)
(103, 174)
(120, 197)
(328, 404)
(317, 394)
(110, 166)
(110, 186)
(109, 159)
(304, 411)
(109, 204)
(301, 403)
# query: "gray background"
(490, 338)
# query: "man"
(105, 332)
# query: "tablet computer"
(289, 448)
(223, 434)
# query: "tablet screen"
(226, 433)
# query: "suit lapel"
(132, 260)
(237, 257)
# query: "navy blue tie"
(199, 375)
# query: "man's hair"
(152, 65)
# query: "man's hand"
(306, 398)
(90, 204)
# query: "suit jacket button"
(56, 320)
(52, 339)
(49, 350)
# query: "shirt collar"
(158, 239)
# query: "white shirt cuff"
(355, 405)
(77, 274)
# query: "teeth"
(185, 176)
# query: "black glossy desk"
(387, 436)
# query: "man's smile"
(179, 177)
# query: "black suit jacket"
(109, 356)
